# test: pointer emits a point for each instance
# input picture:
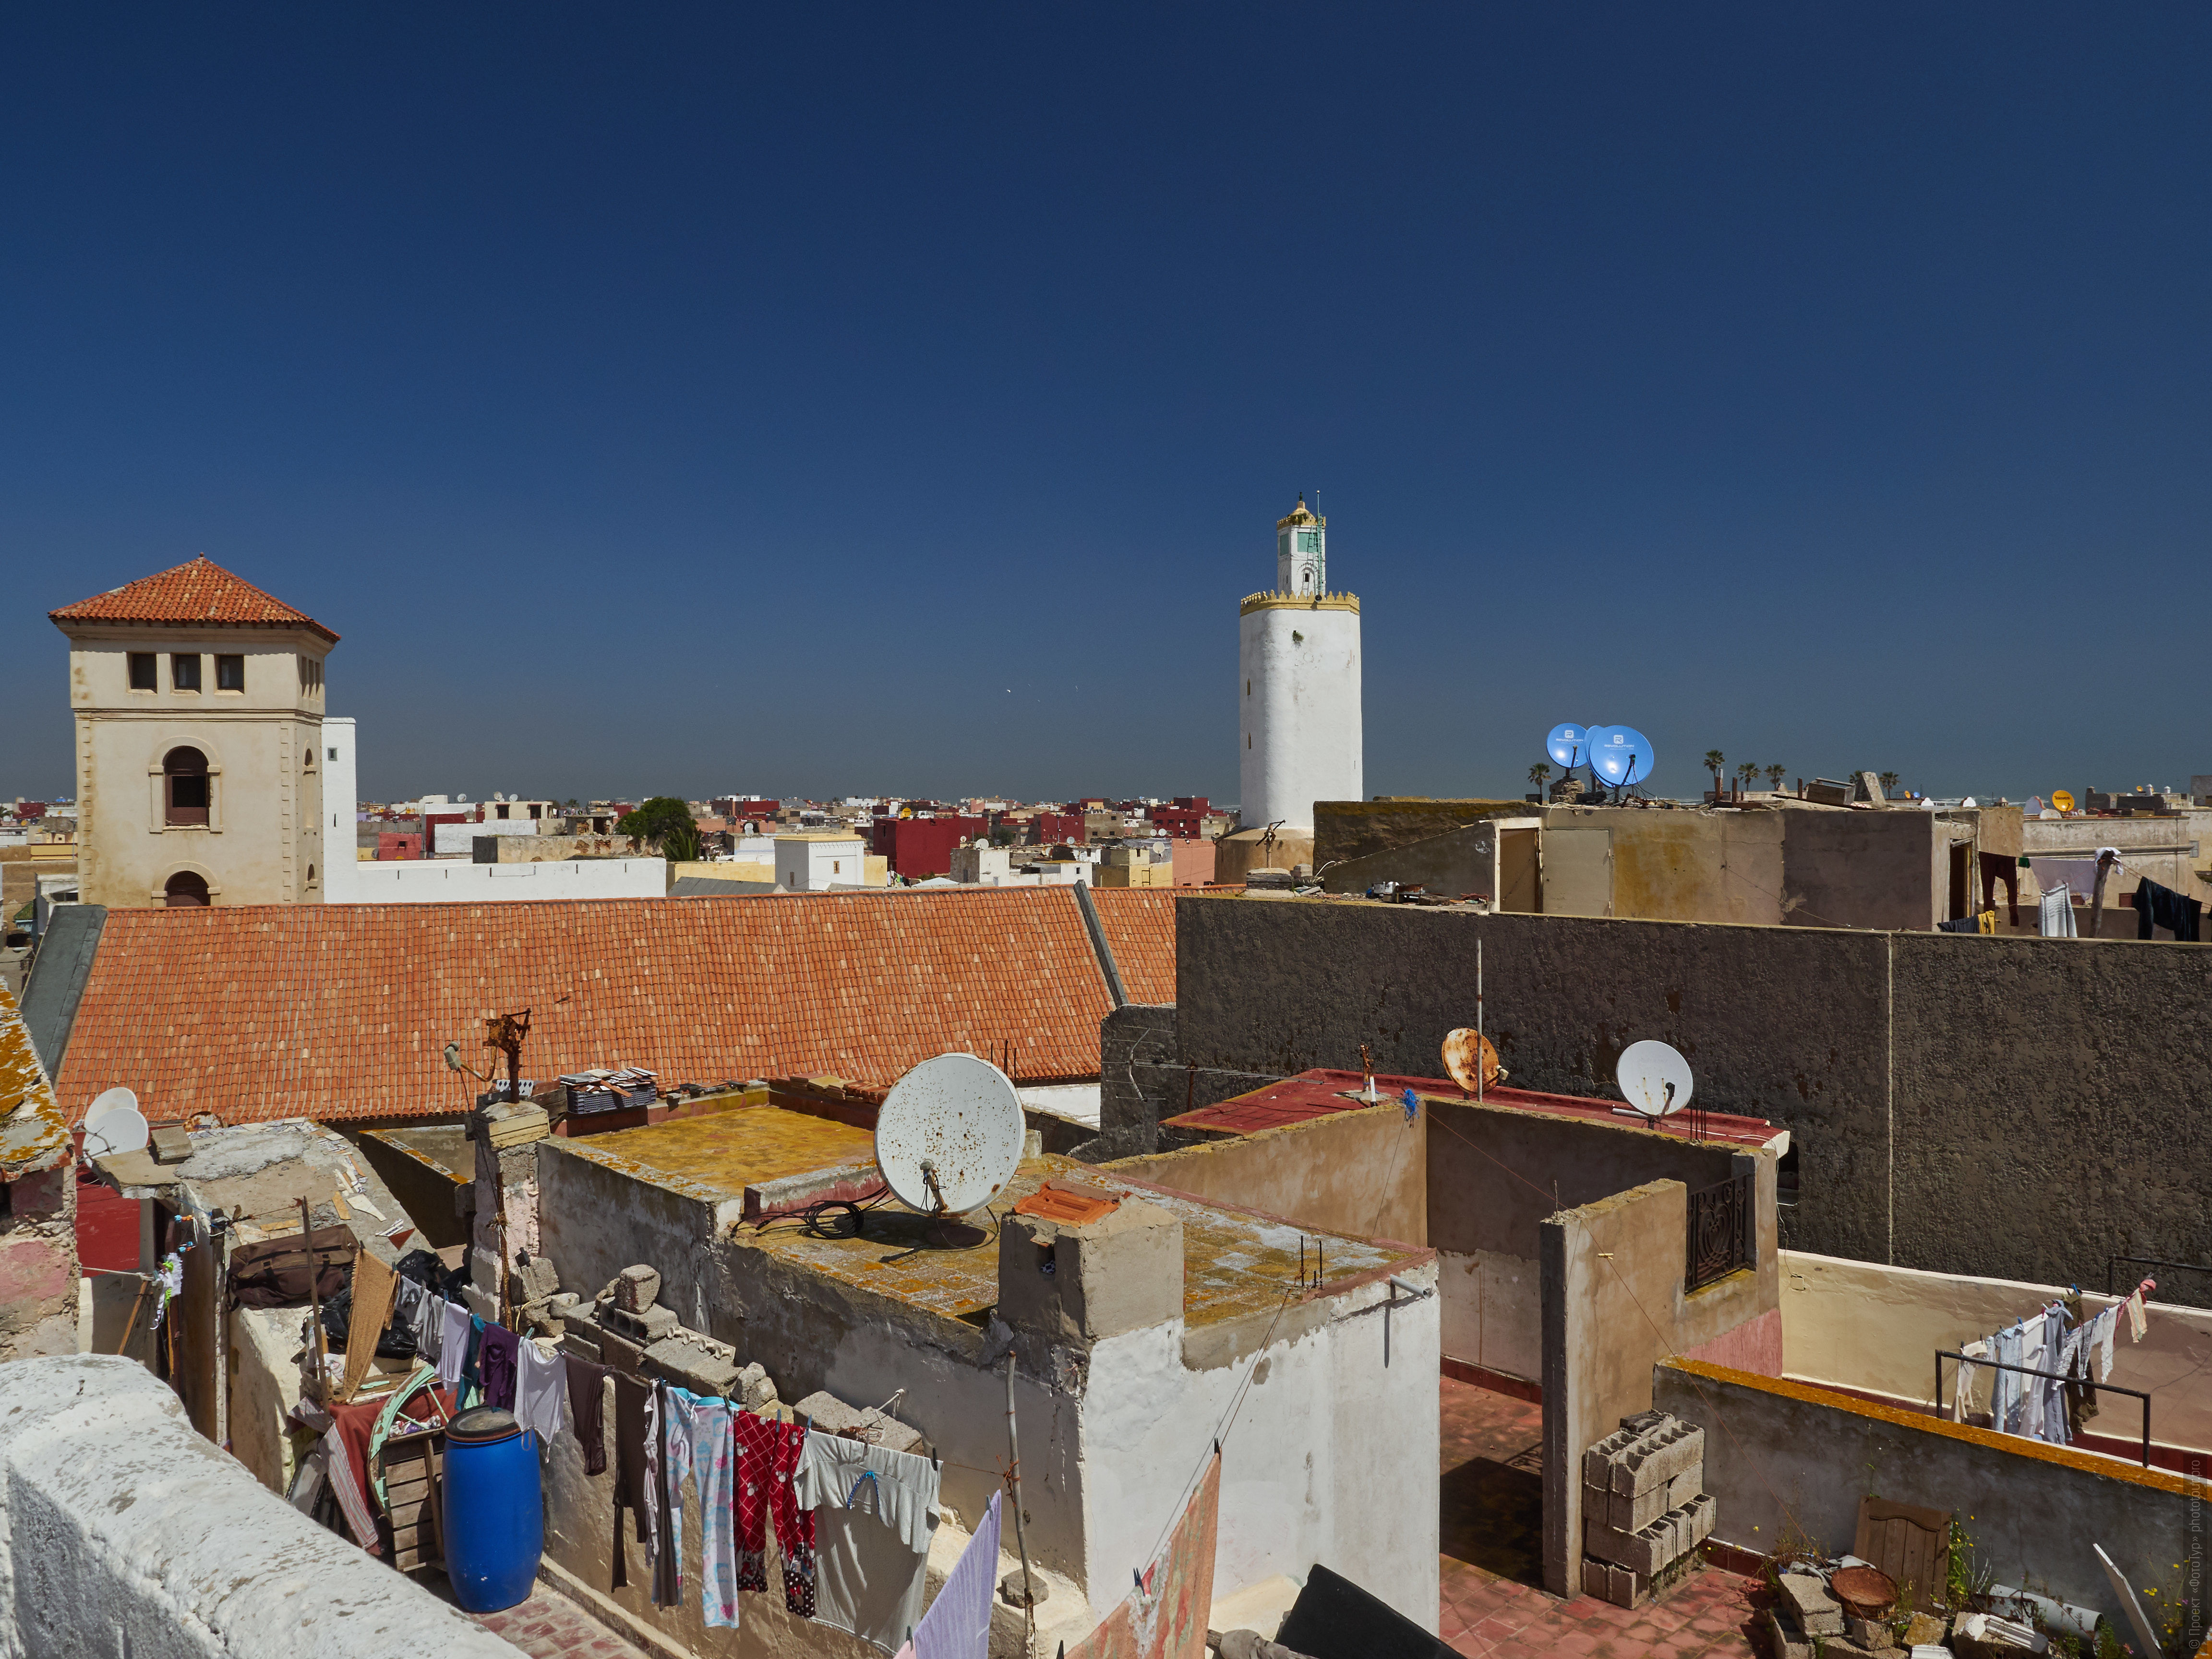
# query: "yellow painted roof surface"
(725, 1152)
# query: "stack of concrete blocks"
(627, 1327)
(1645, 1507)
(505, 1138)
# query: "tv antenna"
(1654, 1079)
(949, 1136)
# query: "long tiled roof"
(198, 591)
(1139, 923)
(341, 1012)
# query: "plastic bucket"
(494, 1517)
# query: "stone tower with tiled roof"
(198, 701)
(1300, 738)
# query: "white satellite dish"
(1654, 1078)
(115, 1100)
(950, 1135)
(122, 1130)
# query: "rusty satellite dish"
(1461, 1048)
(950, 1135)
(1654, 1078)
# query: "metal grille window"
(1722, 1218)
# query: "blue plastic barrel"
(493, 1518)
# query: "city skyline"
(1750, 380)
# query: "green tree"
(1714, 761)
(664, 824)
(1888, 781)
(1539, 775)
(1748, 775)
(1774, 776)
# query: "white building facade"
(1298, 661)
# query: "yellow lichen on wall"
(33, 1133)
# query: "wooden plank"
(373, 1285)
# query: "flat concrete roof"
(1235, 1261)
(1323, 1092)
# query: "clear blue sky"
(900, 398)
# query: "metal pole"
(1021, 1538)
(1481, 1042)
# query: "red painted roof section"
(1320, 1093)
(1139, 925)
(343, 1010)
(198, 591)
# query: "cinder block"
(1625, 1588)
(1806, 1600)
(1701, 1510)
(635, 1287)
(1598, 1460)
(1627, 1512)
(1594, 1579)
(1685, 1487)
(1772, 1638)
(689, 1366)
(647, 1328)
(1687, 1450)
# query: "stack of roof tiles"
(344, 1011)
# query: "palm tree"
(1774, 776)
(1888, 781)
(1714, 761)
(1748, 773)
(1538, 774)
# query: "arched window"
(186, 891)
(185, 790)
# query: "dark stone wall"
(2012, 1107)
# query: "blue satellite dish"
(1619, 755)
(1568, 745)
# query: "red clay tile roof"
(338, 1011)
(199, 591)
(1139, 925)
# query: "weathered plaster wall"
(1781, 1455)
(1103, 1439)
(1693, 866)
(1876, 1329)
(1613, 1304)
(1928, 1080)
(126, 1533)
(1362, 1172)
(1850, 869)
(265, 1386)
(37, 1264)
(1360, 829)
(1299, 716)
(1492, 1177)
(1456, 861)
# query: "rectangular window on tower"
(185, 670)
(230, 673)
(142, 671)
(1309, 541)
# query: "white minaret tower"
(1298, 658)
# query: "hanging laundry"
(1960, 924)
(2051, 1386)
(768, 1454)
(2137, 1322)
(2162, 907)
(497, 1362)
(701, 1446)
(2000, 868)
(959, 1623)
(587, 1411)
(632, 1401)
(538, 1387)
(874, 1510)
(1165, 1618)
(453, 1342)
(2055, 915)
(2077, 875)
(2101, 1337)
(663, 1543)
(411, 1301)
(1962, 1394)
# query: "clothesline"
(2049, 1407)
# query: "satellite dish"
(1654, 1078)
(1461, 1048)
(1568, 745)
(1969, 801)
(2062, 799)
(122, 1130)
(113, 1100)
(1620, 754)
(2034, 805)
(950, 1135)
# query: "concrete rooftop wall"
(1928, 1080)
(1784, 1458)
(122, 1531)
